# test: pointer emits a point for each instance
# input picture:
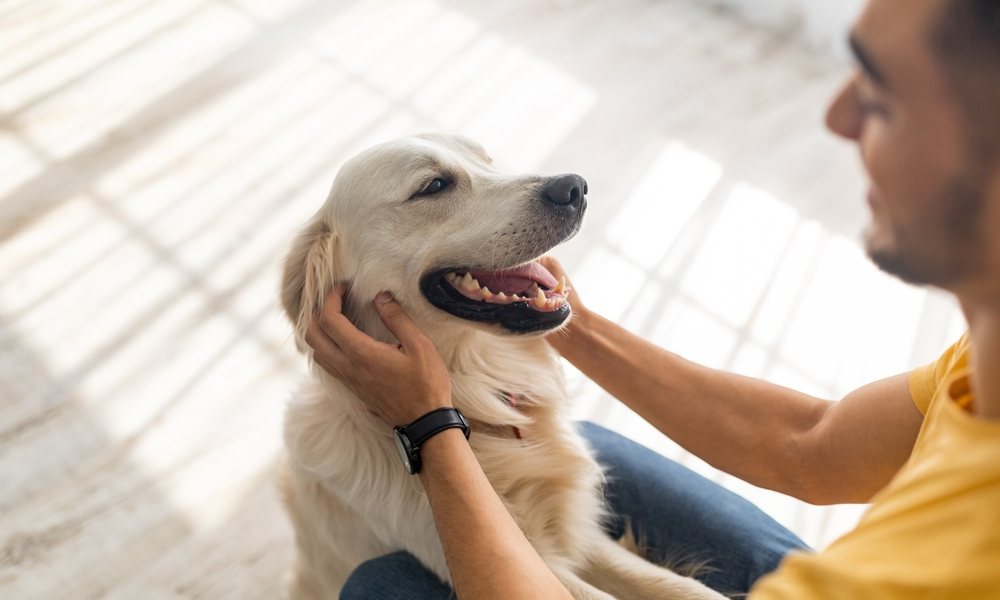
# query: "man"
(924, 447)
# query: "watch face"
(403, 447)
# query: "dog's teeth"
(540, 299)
(485, 293)
(469, 283)
(562, 284)
(501, 297)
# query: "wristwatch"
(409, 438)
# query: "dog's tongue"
(518, 279)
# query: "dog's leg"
(318, 574)
(331, 539)
(578, 588)
(629, 577)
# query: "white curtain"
(822, 24)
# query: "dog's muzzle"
(525, 298)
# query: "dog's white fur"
(347, 493)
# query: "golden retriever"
(430, 219)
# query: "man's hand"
(399, 382)
(564, 338)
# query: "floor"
(156, 157)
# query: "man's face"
(928, 195)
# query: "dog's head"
(430, 219)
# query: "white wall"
(822, 24)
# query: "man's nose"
(843, 117)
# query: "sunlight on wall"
(847, 303)
(460, 78)
(724, 278)
(52, 106)
(662, 204)
(17, 163)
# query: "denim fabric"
(675, 513)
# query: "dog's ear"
(312, 267)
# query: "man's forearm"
(749, 428)
(488, 555)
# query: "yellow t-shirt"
(933, 533)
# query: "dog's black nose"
(565, 190)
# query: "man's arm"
(488, 555)
(774, 437)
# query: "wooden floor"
(155, 157)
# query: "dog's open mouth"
(531, 283)
(524, 299)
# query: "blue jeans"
(674, 512)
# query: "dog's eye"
(438, 184)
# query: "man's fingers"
(353, 343)
(329, 367)
(325, 349)
(397, 321)
(334, 300)
(339, 328)
(553, 266)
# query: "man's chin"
(912, 268)
(883, 255)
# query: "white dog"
(430, 219)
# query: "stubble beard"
(945, 248)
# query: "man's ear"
(312, 267)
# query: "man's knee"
(396, 576)
(367, 579)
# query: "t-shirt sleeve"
(851, 567)
(924, 381)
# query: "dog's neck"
(456, 346)
(485, 369)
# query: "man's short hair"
(967, 40)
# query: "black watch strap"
(410, 437)
(434, 423)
